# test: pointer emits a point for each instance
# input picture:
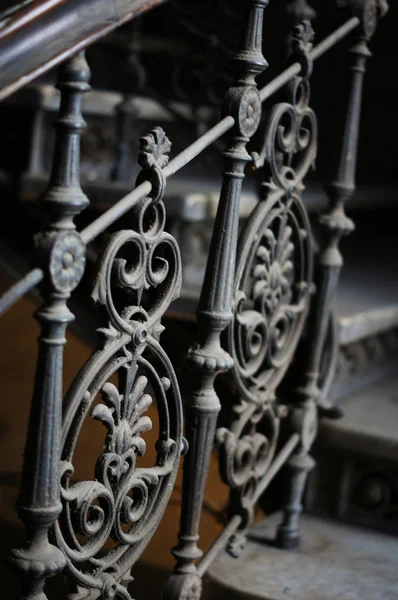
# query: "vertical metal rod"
(334, 224)
(61, 256)
(207, 358)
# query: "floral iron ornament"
(122, 416)
(272, 296)
(107, 521)
(273, 290)
(272, 293)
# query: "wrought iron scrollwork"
(254, 303)
(139, 274)
(271, 295)
(290, 143)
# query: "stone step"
(369, 424)
(356, 477)
(336, 562)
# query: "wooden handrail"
(42, 34)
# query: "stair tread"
(369, 423)
(366, 301)
(336, 561)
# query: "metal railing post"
(61, 253)
(207, 358)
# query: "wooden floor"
(18, 334)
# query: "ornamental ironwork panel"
(257, 300)
(273, 282)
(139, 274)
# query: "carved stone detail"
(360, 361)
(373, 493)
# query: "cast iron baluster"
(138, 274)
(273, 281)
(334, 224)
(207, 358)
(61, 254)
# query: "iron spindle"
(207, 358)
(334, 224)
(61, 255)
(273, 282)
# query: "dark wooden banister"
(42, 34)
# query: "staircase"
(198, 194)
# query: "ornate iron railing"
(254, 304)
